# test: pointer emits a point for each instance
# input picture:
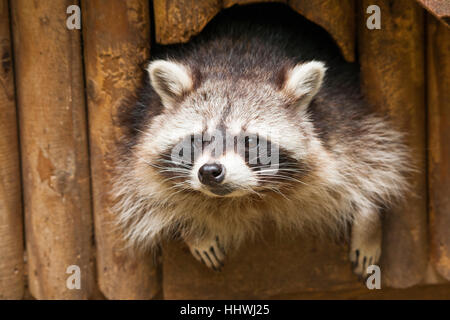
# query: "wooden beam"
(11, 224)
(438, 79)
(54, 148)
(178, 21)
(116, 43)
(392, 64)
(271, 266)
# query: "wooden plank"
(438, 76)
(178, 21)
(117, 42)
(392, 63)
(50, 98)
(335, 16)
(272, 267)
(11, 224)
(422, 292)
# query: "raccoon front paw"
(210, 253)
(363, 255)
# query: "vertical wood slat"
(11, 224)
(438, 58)
(53, 132)
(336, 16)
(116, 42)
(392, 63)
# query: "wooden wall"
(60, 90)
(11, 220)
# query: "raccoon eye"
(197, 142)
(251, 140)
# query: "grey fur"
(345, 162)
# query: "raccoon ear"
(304, 81)
(170, 80)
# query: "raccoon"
(272, 127)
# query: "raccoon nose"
(211, 174)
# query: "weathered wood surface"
(273, 267)
(335, 16)
(11, 224)
(117, 42)
(53, 133)
(438, 80)
(179, 20)
(392, 63)
(421, 292)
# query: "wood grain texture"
(422, 292)
(270, 267)
(392, 63)
(438, 79)
(116, 42)
(335, 16)
(11, 224)
(178, 20)
(50, 98)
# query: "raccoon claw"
(366, 238)
(363, 257)
(210, 254)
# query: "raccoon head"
(224, 134)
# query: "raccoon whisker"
(163, 167)
(178, 186)
(270, 173)
(171, 178)
(282, 169)
(175, 170)
(166, 169)
(180, 189)
(251, 190)
(151, 164)
(165, 156)
(281, 177)
(176, 192)
(177, 164)
(276, 190)
(140, 131)
(280, 166)
(293, 169)
(269, 177)
(184, 165)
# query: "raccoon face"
(226, 135)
